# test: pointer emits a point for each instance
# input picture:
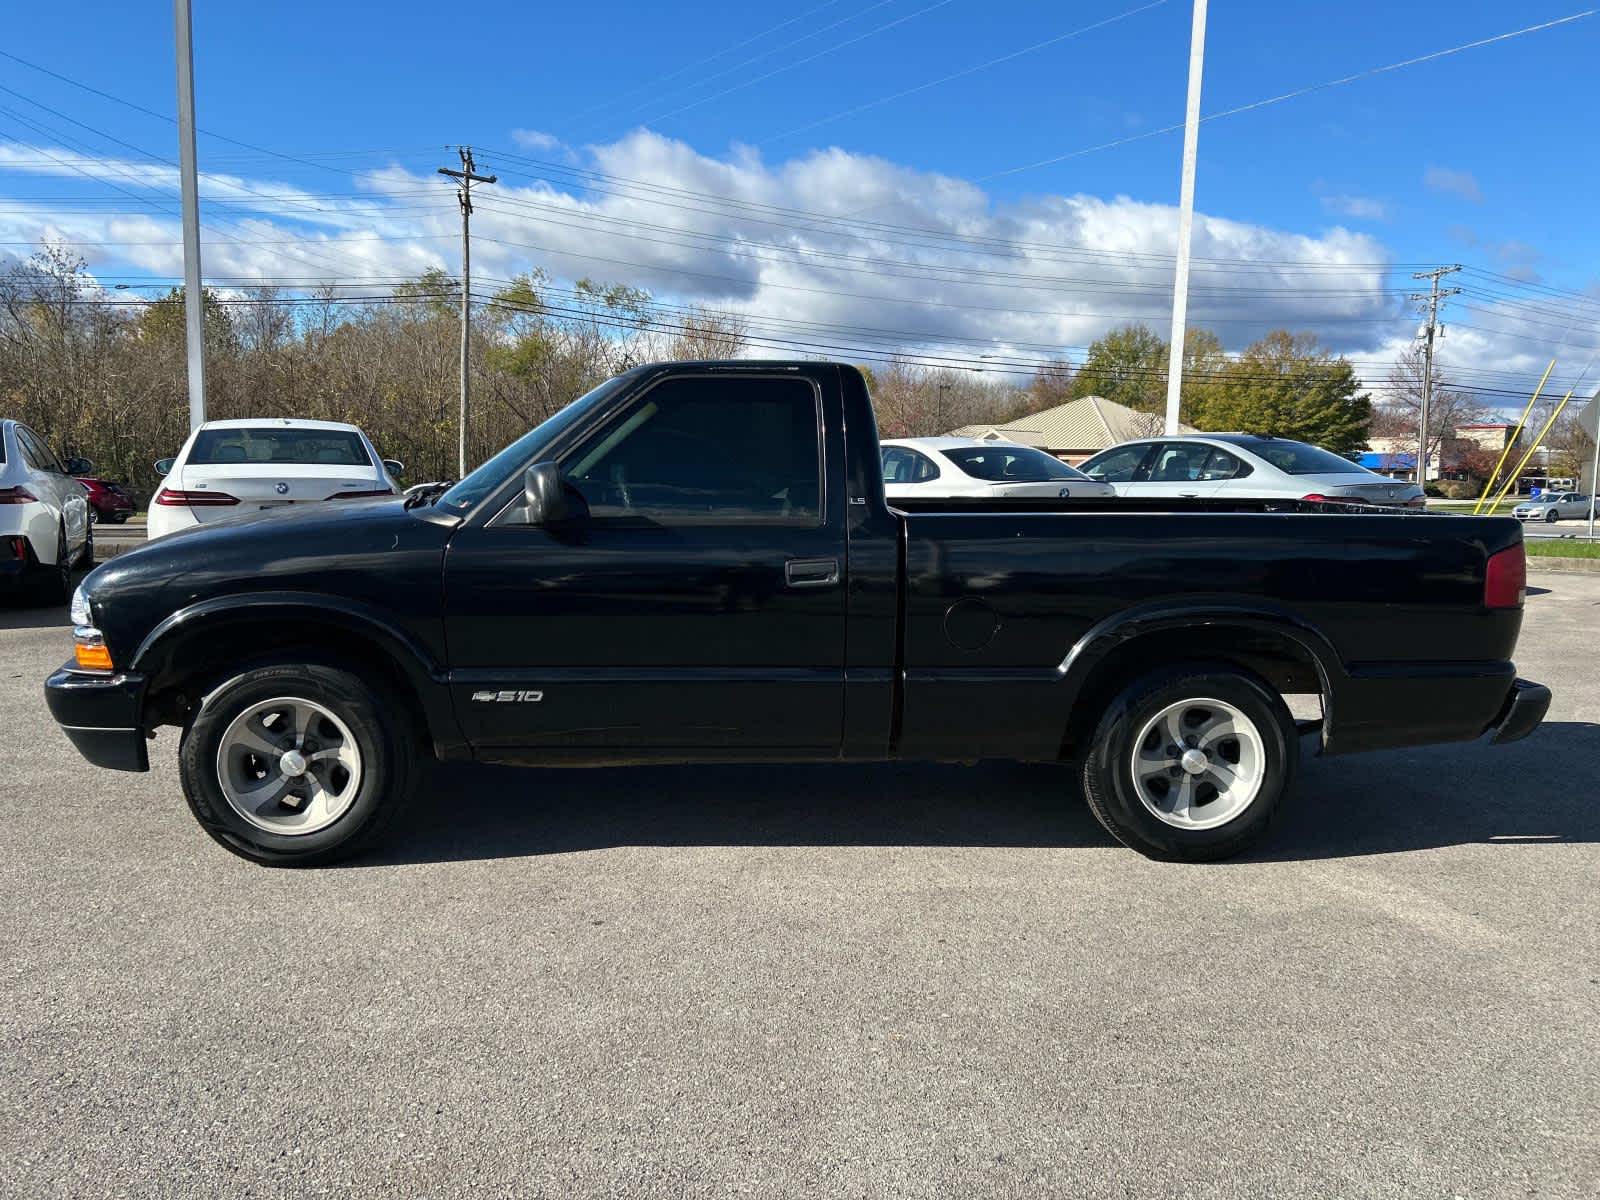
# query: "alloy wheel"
(1198, 764)
(289, 766)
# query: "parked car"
(44, 516)
(227, 468)
(108, 501)
(1201, 466)
(697, 562)
(971, 469)
(1553, 506)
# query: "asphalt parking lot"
(823, 981)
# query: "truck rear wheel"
(1191, 764)
(296, 765)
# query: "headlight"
(80, 608)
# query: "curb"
(1563, 566)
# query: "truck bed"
(1006, 606)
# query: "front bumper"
(100, 715)
(1524, 709)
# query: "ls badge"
(507, 697)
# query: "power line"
(1295, 94)
(161, 116)
(962, 74)
(800, 62)
(710, 58)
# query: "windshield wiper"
(427, 493)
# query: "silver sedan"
(1228, 466)
(1553, 506)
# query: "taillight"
(359, 495)
(1505, 579)
(1319, 498)
(16, 495)
(18, 547)
(173, 498)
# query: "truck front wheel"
(1191, 764)
(296, 764)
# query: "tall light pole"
(1191, 153)
(193, 296)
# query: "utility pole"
(1191, 154)
(1429, 301)
(193, 297)
(464, 178)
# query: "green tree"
(1287, 385)
(1127, 365)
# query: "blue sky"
(1483, 158)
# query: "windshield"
(1010, 464)
(268, 445)
(524, 451)
(1297, 458)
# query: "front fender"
(161, 654)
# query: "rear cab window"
(266, 446)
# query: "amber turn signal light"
(89, 649)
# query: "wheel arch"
(193, 648)
(1283, 650)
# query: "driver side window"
(706, 451)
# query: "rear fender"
(1092, 670)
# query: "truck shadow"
(1367, 804)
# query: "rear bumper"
(1524, 709)
(1418, 704)
(100, 716)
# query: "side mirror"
(163, 466)
(394, 466)
(546, 497)
(79, 466)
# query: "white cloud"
(1454, 183)
(534, 139)
(847, 253)
(1357, 208)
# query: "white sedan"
(227, 468)
(936, 467)
(44, 515)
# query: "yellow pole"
(1547, 425)
(1526, 413)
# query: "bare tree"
(1398, 414)
(705, 334)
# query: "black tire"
(53, 581)
(1551, 517)
(382, 731)
(1108, 773)
(120, 518)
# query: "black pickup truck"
(695, 561)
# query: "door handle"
(811, 572)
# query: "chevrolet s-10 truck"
(695, 562)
